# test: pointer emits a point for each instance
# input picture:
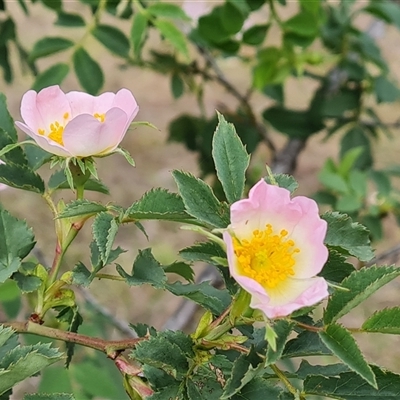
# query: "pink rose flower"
(275, 249)
(76, 124)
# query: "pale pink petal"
(44, 142)
(293, 295)
(29, 111)
(52, 105)
(84, 103)
(86, 136)
(125, 101)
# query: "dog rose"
(76, 124)
(275, 249)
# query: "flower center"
(100, 117)
(267, 258)
(56, 130)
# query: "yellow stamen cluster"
(100, 117)
(267, 258)
(56, 130)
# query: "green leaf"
(112, 38)
(51, 76)
(138, 33)
(350, 386)
(306, 369)
(88, 71)
(48, 396)
(105, 228)
(93, 376)
(258, 389)
(336, 268)
(158, 204)
(182, 269)
(146, 269)
(16, 241)
(284, 181)
(167, 10)
(347, 162)
(69, 20)
(306, 344)
(36, 156)
(81, 208)
(204, 384)
(204, 252)
(211, 28)
(384, 321)
(232, 17)
(53, 4)
(343, 345)
(177, 84)
(5, 334)
(389, 12)
(81, 275)
(282, 328)
(356, 137)
(275, 92)
(27, 283)
(6, 121)
(23, 362)
(245, 368)
(295, 124)
(159, 352)
(255, 35)
(200, 201)
(333, 181)
(207, 296)
(21, 177)
(230, 158)
(361, 285)
(173, 35)
(49, 45)
(303, 24)
(385, 91)
(15, 156)
(348, 236)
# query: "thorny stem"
(285, 381)
(111, 348)
(61, 249)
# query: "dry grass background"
(155, 158)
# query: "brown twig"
(110, 347)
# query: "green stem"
(280, 374)
(110, 347)
(310, 328)
(61, 250)
(110, 277)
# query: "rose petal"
(45, 143)
(86, 136)
(52, 105)
(83, 103)
(293, 295)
